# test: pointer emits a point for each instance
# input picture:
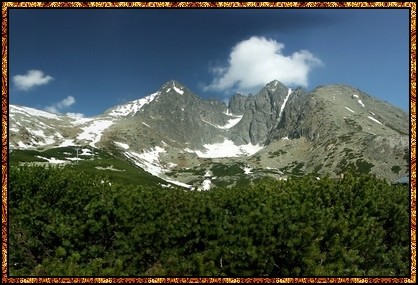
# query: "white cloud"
(77, 115)
(51, 109)
(57, 107)
(257, 61)
(67, 102)
(31, 79)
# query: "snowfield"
(178, 183)
(73, 158)
(86, 151)
(247, 170)
(76, 121)
(23, 145)
(33, 112)
(94, 131)
(150, 162)
(122, 145)
(131, 108)
(226, 149)
(178, 90)
(47, 140)
(205, 185)
(289, 91)
(52, 159)
(231, 123)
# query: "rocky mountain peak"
(274, 85)
(131, 108)
(261, 112)
(332, 128)
(174, 87)
(236, 104)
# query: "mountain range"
(197, 143)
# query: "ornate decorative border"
(4, 122)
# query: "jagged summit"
(174, 86)
(274, 85)
(131, 108)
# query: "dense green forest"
(68, 223)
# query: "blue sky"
(88, 60)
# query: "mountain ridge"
(330, 129)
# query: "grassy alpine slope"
(113, 168)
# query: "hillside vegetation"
(102, 163)
(69, 223)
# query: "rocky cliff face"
(336, 109)
(327, 130)
(260, 113)
(346, 129)
(184, 117)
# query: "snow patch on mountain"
(228, 125)
(131, 108)
(76, 121)
(289, 91)
(122, 145)
(373, 119)
(274, 87)
(52, 160)
(39, 133)
(73, 158)
(231, 123)
(228, 113)
(150, 162)
(226, 149)
(93, 132)
(58, 135)
(67, 142)
(178, 183)
(111, 168)
(247, 170)
(86, 151)
(178, 90)
(209, 123)
(40, 138)
(32, 112)
(171, 165)
(22, 145)
(206, 184)
(349, 110)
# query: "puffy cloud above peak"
(256, 61)
(63, 104)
